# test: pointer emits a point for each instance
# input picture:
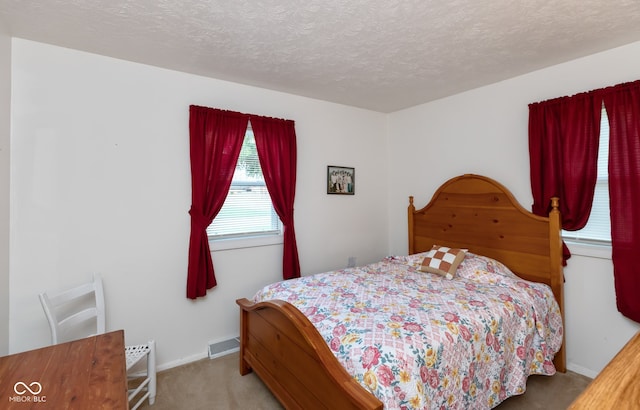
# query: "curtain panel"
(622, 103)
(564, 134)
(276, 146)
(215, 138)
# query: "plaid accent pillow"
(443, 261)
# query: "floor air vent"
(224, 347)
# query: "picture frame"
(341, 180)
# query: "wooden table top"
(83, 374)
(618, 384)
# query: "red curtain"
(563, 146)
(215, 141)
(276, 146)
(623, 109)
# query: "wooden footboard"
(290, 356)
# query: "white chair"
(80, 312)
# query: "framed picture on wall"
(341, 180)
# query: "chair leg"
(151, 371)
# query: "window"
(247, 210)
(598, 228)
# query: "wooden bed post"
(245, 368)
(411, 210)
(557, 275)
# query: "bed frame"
(470, 211)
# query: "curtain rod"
(611, 88)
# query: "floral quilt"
(417, 340)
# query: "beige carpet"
(217, 384)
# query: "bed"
(311, 355)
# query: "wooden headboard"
(479, 214)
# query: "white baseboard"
(203, 355)
(581, 370)
(185, 360)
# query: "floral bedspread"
(420, 341)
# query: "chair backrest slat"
(67, 310)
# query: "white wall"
(101, 183)
(484, 131)
(5, 129)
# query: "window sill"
(247, 242)
(589, 250)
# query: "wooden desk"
(83, 374)
(618, 384)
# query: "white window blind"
(247, 210)
(598, 228)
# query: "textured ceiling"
(382, 55)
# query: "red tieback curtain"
(623, 109)
(276, 146)
(215, 141)
(563, 145)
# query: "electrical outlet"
(352, 262)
